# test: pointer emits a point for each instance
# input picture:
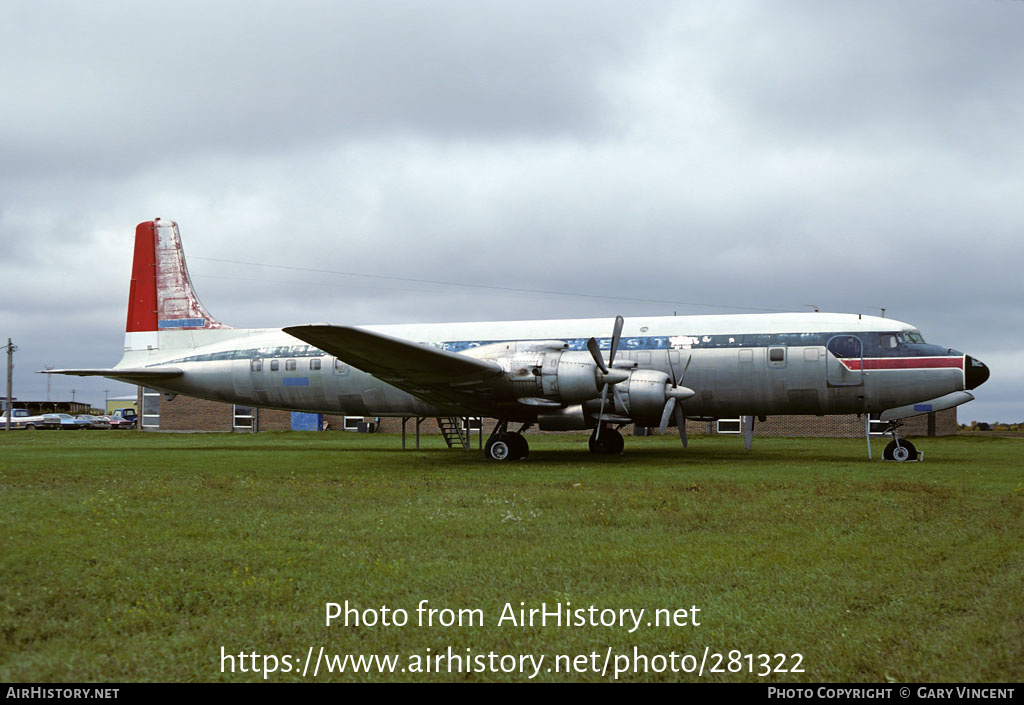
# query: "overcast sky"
(750, 155)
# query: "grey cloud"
(122, 84)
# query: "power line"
(489, 286)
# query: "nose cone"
(975, 371)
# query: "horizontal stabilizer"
(132, 375)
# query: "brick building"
(190, 414)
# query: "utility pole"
(10, 378)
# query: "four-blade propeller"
(606, 372)
(674, 393)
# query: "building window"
(729, 426)
(289, 365)
(275, 365)
(150, 408)
(256, 365)
(352, 423)
(314, 364)
(472, 423)
(244, 417)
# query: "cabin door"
(844, 361)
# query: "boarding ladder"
(453, 432)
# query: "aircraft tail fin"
(161, 297)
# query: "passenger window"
(275, 365)
(256, 365)
(339, 365)
(289, 365)
(776, 354)
(314, 364)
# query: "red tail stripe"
(142, 304)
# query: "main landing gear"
(607, 442)
(897, 450)
(504, 445)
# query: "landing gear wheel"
(506, 446)
(498, 448)
(902, 453)
(608, 443)
(520, 448)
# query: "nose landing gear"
(899, 451)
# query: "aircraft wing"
(132, 375)
(434, 375)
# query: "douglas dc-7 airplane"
(552, 373)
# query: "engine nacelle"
(644, 394)
(570, 376)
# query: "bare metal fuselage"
(736, 365)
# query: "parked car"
(128, 415)
(70, 423)
(94, 421)
(118, 422)
(24, 419)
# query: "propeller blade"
(616, 334)
(748, 431)
(600, 414)
(689, 359)
(620, 400)
(595, 352)
(670, 406)
(681, 421)
(671, 368)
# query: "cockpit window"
(911, 336)
(888, 341)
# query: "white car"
(25, 420)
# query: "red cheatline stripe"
(903, 363)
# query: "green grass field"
(131, 556)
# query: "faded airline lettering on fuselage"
(872, 347)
